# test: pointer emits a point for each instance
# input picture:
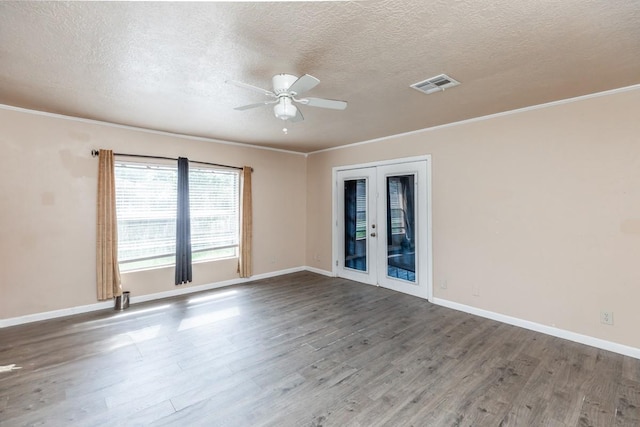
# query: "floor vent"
(435, 84)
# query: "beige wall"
(539, 209)
(48, 183)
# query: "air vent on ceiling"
(435, 84)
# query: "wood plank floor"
(306, 350)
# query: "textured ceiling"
(163, 65)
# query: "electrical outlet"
(606, 317)
(443, 284)
(476, 290)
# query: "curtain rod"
(95, 153)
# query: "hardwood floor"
(306, 350)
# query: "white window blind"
(361, 209)
(146, 204)
(215, 218)
(396, 205)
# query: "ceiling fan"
(286, 90)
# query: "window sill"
(172, 266)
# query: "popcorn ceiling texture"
(163, 65)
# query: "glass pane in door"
(355, 224)
(401, 221)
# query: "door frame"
(335, 215)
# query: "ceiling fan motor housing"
(282, 83)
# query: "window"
(146, 204)
(361, 209)
(396, 205)
(215, 213)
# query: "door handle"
(373, 234)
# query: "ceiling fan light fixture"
(285, 110)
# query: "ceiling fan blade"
(253, 88)
(259, 104)
(324, 103)
(303, 84)
(298, 117)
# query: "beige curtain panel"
(246, 226)
(108, 272)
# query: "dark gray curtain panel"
(184, 272)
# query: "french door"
(382, 226)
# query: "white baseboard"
(538, 327)
(319, 271)
(36, 317)
(192, 289)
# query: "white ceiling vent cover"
(435, 84)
